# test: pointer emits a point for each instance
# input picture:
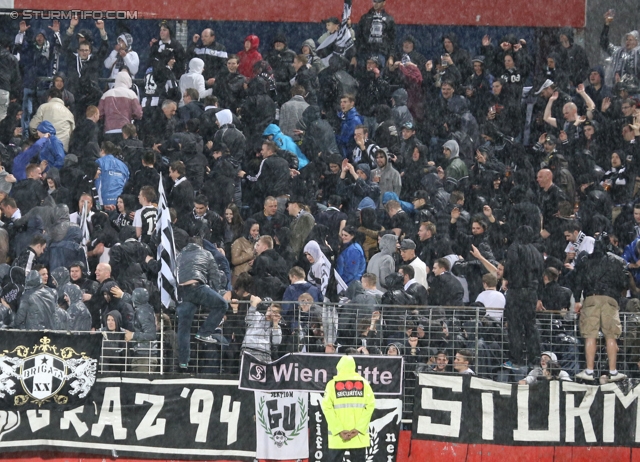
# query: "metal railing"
(369, 330)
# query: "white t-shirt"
(492, 299)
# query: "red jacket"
(249, 58)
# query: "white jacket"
(194, 79)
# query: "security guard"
(348, 405)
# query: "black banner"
(383, 430)
(47, 370)
(465, 409)
(189, 418)
(311, 372)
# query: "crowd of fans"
(352, 170)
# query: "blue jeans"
(192, 296)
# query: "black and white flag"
(339, 42)
(167, 283)
(86, 235)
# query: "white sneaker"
(585, 376)
(617, 377)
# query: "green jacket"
(348, 404)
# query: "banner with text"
(384, 429)
(311, 372)
(465, 409)
(191, 418)
(46, 370)
(282, 419)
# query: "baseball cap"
(547, 83)
(421, 194)
(407, 244)
(551, 139)
(408, 126)
(332, 20)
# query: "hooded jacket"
(64, 252)
(351, 263)
(390, 180)
(348, 404)
(379, 39)
(460, 57)
(79, 316)
(144, 323)
(119, 304)
(114, 175)
(258, 109)
(249, 58)
(59, 278)
(194, 79)
(229, 135)
(286, 143)
(318, 134)
(456, 169)
(56, 113)
(382, 264)
(37, 306)
(320, 272)
(49, 148)
(120, 105)
(115, 63)
(400, 111)
(312, 58)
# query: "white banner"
(282, 420)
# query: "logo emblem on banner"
(258, 373)
(280, 436)
(43, 370)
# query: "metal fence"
(367, 330)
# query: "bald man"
(213, 54)
(549, 198)
(95, 305)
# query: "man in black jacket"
(270, 219)
(29, 256)
(85, 63)
(78, 276)
(181, 195)
(601, 277)
(212, 52)
(523, 271)
(274, 175)
(413, 287)
(30, 193)
(376, 34)
(198, 282)
(444, 287)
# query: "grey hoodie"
(79, 316)
(144, 322)
(400, 111)
(382, 264)
(390, 179)
(37, 306)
